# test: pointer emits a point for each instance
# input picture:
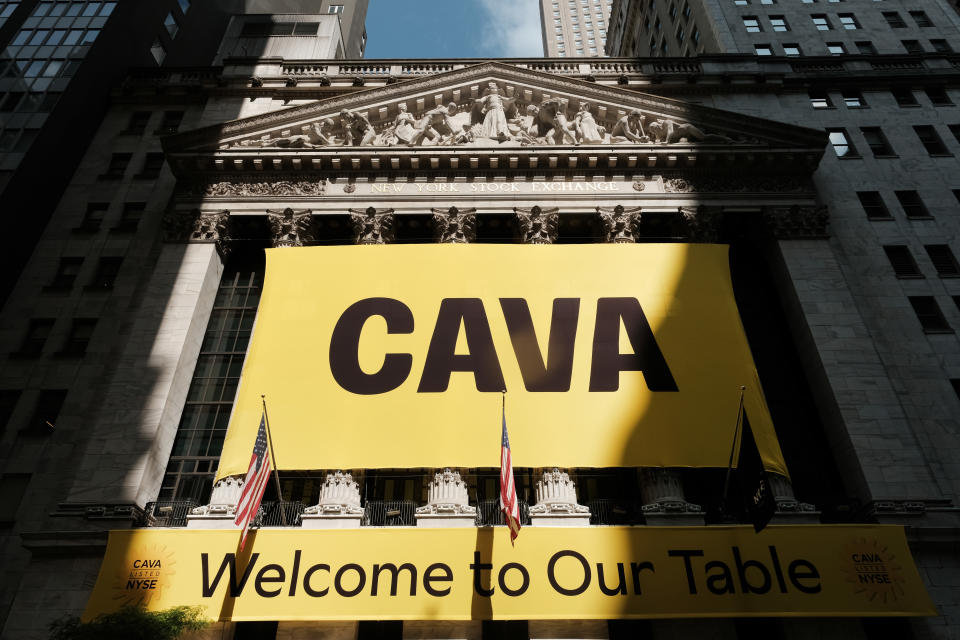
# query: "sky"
(453, 29)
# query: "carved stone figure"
(447, 495)
(620, 225)
(290, 228)
(493, 108)
(557, 494)
(372, 226)
(554, 124)
(525, 128)
(586, 127)
(356, 126)
(315, 134)
(666, 131)
(455, 225)
(436, 125)
(629, 128)
(538, 226)
(402, 130)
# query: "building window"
(170, 123)
(137, 123)
(13, 486)
(841, 144)
(866, 48)
(819, 99)
(107, 271)
(912, 46)
(894, 20)
(8, 402)
(820, 21)
(130, 216)
(912, 205)
(763, 49)
(752, 24)
(81, 331)
(848, 21)
(93, 217)
(741, 3)
(306, 28)
(46, 412)
(152, 163)
(941, 46)
(904, 98)
(873, 205)
(904, 266)
(836, 48)
(955, 130)
(335, 8)
(943, 260)
(792, 49)
(852, 99)
(171, 24)
(921, 18)
(117, 167)
(877, 142)
(158, 51)
(929, 314)
(66, 275)
(938, 96)
(779, 23)
(931, 140)
(203, 425)
(35, 338)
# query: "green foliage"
(131, 623)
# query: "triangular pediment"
(498, 106)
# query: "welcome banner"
(395, 356)
(466, 573)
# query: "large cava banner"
(412, 573)
(395, 356)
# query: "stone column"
(291, 228)
(789, 509)
(155, 366)
(538, 226)
(557, 502)
(455, 225)
(664, 503)
(339, 506)
(222, 510)
(702, 224)
(373, 226)
(620, 225)
(448, 503)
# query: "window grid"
(203, 425)
(877, 141)
(943, 260)
(873, 205)
(931, 140)
(904, 266)
(929, 314)
(911, 204)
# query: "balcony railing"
(279, 514)
(166, 513)
(614, 512)
(389, 513)
(489, 513)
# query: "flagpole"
(733, 447)
(273, 460)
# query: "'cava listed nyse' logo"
(145, 572)
(872, 570)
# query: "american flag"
(255, 483)
(508, 489)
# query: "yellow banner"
(395, 356)
(468, 573)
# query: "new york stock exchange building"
(395, 260)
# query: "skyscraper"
(574, 28)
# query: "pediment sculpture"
(494, 118)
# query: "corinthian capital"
(703, 223)
(455, 225)
(619, 224)
(290, 228)
(538, 226)
(372, 226)
(198, 227)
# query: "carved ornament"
(447, 495)
(199, 227)
(557, 494)
(537, 225)
(244, 189)
(290, 228)
(455, 225)
(373, 226)
(797, 222)
(777, 184)
(620, 225)
(702, 223)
